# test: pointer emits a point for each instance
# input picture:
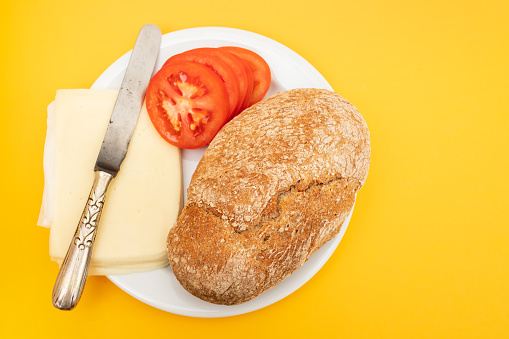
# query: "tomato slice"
(249, 90)
(218, 66)
(259, 68)
(242, 74)
(187, 104)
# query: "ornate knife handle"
(73, 272)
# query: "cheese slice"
(142, 202)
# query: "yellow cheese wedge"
(142, 202)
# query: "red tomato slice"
(218, 66)
(187, 104)
(259, 68)
(242, 73)
(249, 90)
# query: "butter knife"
(74, 269)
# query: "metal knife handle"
(73, 272)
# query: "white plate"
(160, 288)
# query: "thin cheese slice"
(116, 268)
(142, 202)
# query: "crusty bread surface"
(275, 184)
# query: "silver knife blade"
(129, 101)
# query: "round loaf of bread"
(275, 184)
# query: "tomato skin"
(187, 104)
(249, 89)
(218, 66)
(259, 68)
(240, 69)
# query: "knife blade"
(74, 269)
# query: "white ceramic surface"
(160, 288)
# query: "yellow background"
(426, 254)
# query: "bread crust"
(275, 184)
